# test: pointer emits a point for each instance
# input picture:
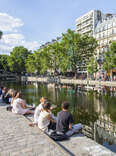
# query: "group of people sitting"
(43, 116)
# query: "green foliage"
(18, 58)
(52, 57)
(33, 63)
(72, 51)
(4, 62)
(1, 34)
(92, 66)
(110, 57)
(79, 49)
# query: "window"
(112, 31)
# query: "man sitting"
(64, 124)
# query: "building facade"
(105, 33)
(86, 24)
(100, 26)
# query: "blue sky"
(39, 21)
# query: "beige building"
(105, 33)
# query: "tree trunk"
(75, 77)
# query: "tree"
(33, 62)
(79, 49)
(92, 66)
(50, 57)
(17, 59)
(4, 62)
(110, 59)
(1, 34)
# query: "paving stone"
(18, 139)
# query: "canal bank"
(59, 80)
(18, 139)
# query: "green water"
(86, 107)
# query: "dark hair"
(46, 105)
(2, 87)
(18, 95)
(14, 93)
(65, 105)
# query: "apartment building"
(86, 24)
(105, 33)
(99, 25)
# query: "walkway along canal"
(18, 139)
(59, 80)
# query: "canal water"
(96, 111)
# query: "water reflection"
(96, 110)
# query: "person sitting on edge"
(37, 111)
(1, 88)
(64, 124)
(45, 120)
(19, 105)
(13, 95)
(4, 91)
(8, 96)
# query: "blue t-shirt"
(64, 118)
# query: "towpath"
(18, 139)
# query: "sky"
(31, 23)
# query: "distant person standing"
(64, 124)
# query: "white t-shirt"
(37, 112)
(17, 108)
(43, 121)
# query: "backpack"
(9, 108)
(58, 137)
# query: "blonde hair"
(43, 99)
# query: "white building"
(87, 23)
(100, 26)
(105, 33)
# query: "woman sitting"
(45, 120)
(38, 110)
(19, 105)
(13, 94)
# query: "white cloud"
(12, 39)
(9, 23)
(31, 45)
(11, 35)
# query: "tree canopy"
(110, 57)
(1, 34)
(79, 49)
(18, 58)
(4, 62)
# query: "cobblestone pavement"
(80, 145)
(18, 139)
